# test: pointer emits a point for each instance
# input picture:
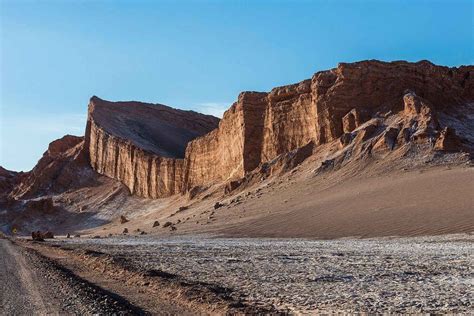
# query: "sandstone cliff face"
(142, 145)
(158, 151)
(261, 126)
(256, 129)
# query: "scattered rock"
(156, 224)
(167, 224)
(125, 231)
(37, 236)
(123, 219)
(182, 208)
(218, 205)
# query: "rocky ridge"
(63, 166)
(398, 102)
(362, 109)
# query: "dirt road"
(20, 290)
(33, 285)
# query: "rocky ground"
(396, 275)
(31, 284)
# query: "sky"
(199, 55)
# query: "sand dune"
(438, 201)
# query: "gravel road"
(19, 293)
(394, 275)
(31, 284)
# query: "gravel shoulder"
(155, 291)
(32, 284)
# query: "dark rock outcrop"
(63, 166)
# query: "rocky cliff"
(142, 145)
(261, 126)
(363, 108)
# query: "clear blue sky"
(194, 54)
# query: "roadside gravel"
(34, 285)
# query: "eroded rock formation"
(63, 166)
(261, 126)
(142, 145)
(364, 108)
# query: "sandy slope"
(428, 201)
(365, 198)
(435, 201)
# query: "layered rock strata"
(157, 151)
(142, 145)
(261, 126)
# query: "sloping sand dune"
(438, 201)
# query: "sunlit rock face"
(158, 151)
(141, 144)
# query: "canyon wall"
(142, 145)
(158, 151)
(261, 126)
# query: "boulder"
(123, 219)
(48, 235)
(41, 236)
(182, 208)
(218, 205)
(37, 236)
